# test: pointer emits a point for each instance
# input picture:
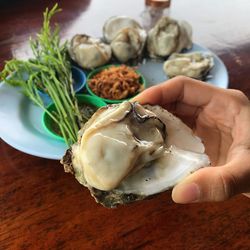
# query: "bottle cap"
(158, 3)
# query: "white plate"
(20, 120)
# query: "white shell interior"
(164, 173)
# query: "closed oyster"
(168, 36)
(126, 37)
(89, 52)
(195, 65)
(127, 152)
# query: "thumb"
(209, 184)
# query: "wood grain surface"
(41, 207)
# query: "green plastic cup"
(49, 124)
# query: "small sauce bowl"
(79, 81)
(111, 101)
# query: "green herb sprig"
(48, 71)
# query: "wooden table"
(41, 207)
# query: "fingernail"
(186, 193)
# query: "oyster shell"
(168, 36)
(89, 52)
(127, 152)
(195, 65)
(126, 37)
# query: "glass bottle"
(154, 10)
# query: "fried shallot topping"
(116, 83)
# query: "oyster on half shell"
(168, 36)
(127, 152)
(125, 36)
(195, 65)
(89, 52)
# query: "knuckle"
(228, 186)
(239, 95)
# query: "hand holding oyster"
(127, 152)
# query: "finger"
(247, 195)
(213, 184)
(178, 89)
(183, 109)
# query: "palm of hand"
(221, 119)
(223, 126)
(217, 141)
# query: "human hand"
(221, 118)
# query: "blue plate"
(153, 72)
(79, 81)
(20, 119)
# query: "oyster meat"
(127, 152)
(89, 52)
(195, 65)
(168, 36)
(125, 36)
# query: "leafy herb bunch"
(48, 71)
